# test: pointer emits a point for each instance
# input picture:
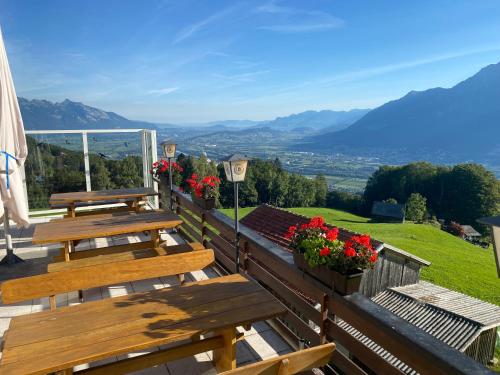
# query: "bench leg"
(225, 357)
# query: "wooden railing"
(314, 312)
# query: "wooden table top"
(55, 340)
(104, 225)
(101, 195)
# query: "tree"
(125, 173)
(99, 174)
(320, 191)
(471, 192)
(416, 208)
(279, 188)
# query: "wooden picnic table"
(67, 231)
(131, 197)
(57, 340)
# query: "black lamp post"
(235, 167)
(494, 224)
(169, 147)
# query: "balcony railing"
(79, 160)
(316, 315)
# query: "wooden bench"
(292, 363)
(133, 198)
(118, 253)
(124, 206)
(68, 280)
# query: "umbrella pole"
(10, 258)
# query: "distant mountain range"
(462, 121)
(68, 115)
(314, 120)
(448, 125)
(43, 114)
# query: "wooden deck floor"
(261, 342)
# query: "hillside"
(315, 120)
(461, 122)
(456, 264)
(68, 115)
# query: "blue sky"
(194, 61)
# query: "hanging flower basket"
(339, 265)
(206, 204)
(204, 190)
(160, 172)
(342, 283)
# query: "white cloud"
(243, 77)
(164, 91)
(294, 20)
(303, 28)
(192, 29)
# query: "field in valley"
(455, 264)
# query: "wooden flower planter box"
(342, 283)
(206, 204)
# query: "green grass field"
(456, 264)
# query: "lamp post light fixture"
(494, 224)
(169, 148)
(235, 167)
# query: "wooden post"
(225, 357)
(245, 256)
(284, 367)
(324, 319)
(204, 241)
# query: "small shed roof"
(470, 231)
(476, 310)
(451, 317)
(392, 210)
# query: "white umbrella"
(13, 153)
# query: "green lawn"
(456, 264)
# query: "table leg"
(71, 210)
(137, 206)
(67, 249)
(225, 357)
(155, 238)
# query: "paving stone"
(244, 354)
(200, 364)
(145, 285)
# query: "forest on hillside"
(462, 193)
(54, 169)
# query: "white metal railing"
(148, 147)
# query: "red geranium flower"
(350, 251)
(324, 251)
(317, 222)
(332, 234)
